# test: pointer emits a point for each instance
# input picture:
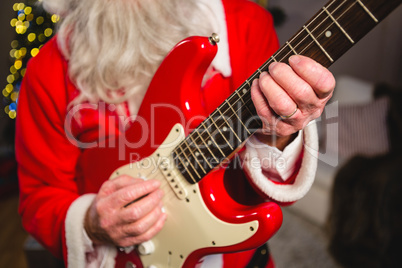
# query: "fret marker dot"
(197, 153)
(328, 34)
(225, 129)
(186, 163)
(209, 142)
(244, 91)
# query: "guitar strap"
(260, 258)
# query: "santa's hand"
(125, 212)
(289, 97)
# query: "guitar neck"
(325, 38)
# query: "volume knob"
(146, 248)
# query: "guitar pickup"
(172, 178)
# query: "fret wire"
(289, 45)
(213, 121)
(318, 44)
(266, 64)
(339, 26)
(254, 76)
(188, 161)
(235, 113)
(241, 98)
(207, 146)
(227, 123)
(368, 11)
(200, 153)
(213, 140)
(194, 155)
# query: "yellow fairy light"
(23, 51)
(7, 109)
(41, 38)
(55, 18)
(13, 70)
(14, 96)
(21, 29)
(34, 52)
(13, 22)
(17, 54)
(30, 17)
(9, 88)
(48, 32)
(12, 53)
(31, 37)
(26, 24)
(5, 94)
(15, 7)
(10, 79)
(21, 17)
(39, 20)
(12, 114)
(14, 44)
(20, 6)
(18, 64)
(28, 10)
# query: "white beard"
(115, 46)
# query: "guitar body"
(216, 215)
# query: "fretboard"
(325, 38)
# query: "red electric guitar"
(202, 217)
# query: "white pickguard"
(189, 225)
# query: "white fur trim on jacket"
(79, 246)
(304, 178)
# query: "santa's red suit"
(55, 194)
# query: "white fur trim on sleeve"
(216, 15)
(304, 178)
(78, 243)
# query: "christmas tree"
(33, 27)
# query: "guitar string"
(267, 63)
